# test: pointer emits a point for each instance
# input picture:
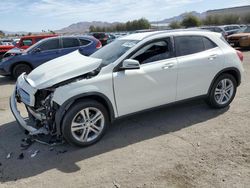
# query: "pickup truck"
(24, 43)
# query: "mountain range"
(82, 27)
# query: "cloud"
(112, 10)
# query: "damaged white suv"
(76, 97)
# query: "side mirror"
(37, 50)
(130, 64)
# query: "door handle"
(212, 57)
(168, 66)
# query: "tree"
(230, 19)
(212, 20)
(191, 21)
(2, 34)
(175, 25)
(246, 18)
(92, 28)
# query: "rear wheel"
(19, 69)
(85, 123)
(223, 91)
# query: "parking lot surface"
(186, 145)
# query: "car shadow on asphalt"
(6, 80)
(125, 132)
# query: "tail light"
(240, 55)
(98, 45)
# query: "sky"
(38, 15)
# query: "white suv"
(76, 97)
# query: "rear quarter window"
(84, 42)
(208, 44)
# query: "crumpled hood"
(62, 68)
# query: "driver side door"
(153, 84)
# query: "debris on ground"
(48, 140)
(34, 154)
(9, 155)
(51, 149)
(61, 151)
(117, 185)
(27, 142)
(21, 156)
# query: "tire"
(19, 69)
(223, 91)
(81, 131)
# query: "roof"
(36, 36)
(141, 36)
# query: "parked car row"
(225, 30)
(236, 35)
(16, 61)
(241, 38)
(24, 43)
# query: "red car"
(24, 43)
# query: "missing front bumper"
(22, 121)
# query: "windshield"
(114, 50)
(34, 46)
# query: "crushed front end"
(41, 110)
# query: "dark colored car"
(16, 61)
(103, 37)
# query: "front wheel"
(19, 69)
(223, 91)
(85, 123)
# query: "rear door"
(69, 44)
(199, 60)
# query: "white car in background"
(77, 97)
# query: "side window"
(50, 44)
(208, 43)
(84, 42)
(186, 45)
(27, 42)
(70, 42)
(154, 51)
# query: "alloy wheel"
(224, 91)
(87, 124)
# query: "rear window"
(99, 35)
(70, 42)
(27, 42)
